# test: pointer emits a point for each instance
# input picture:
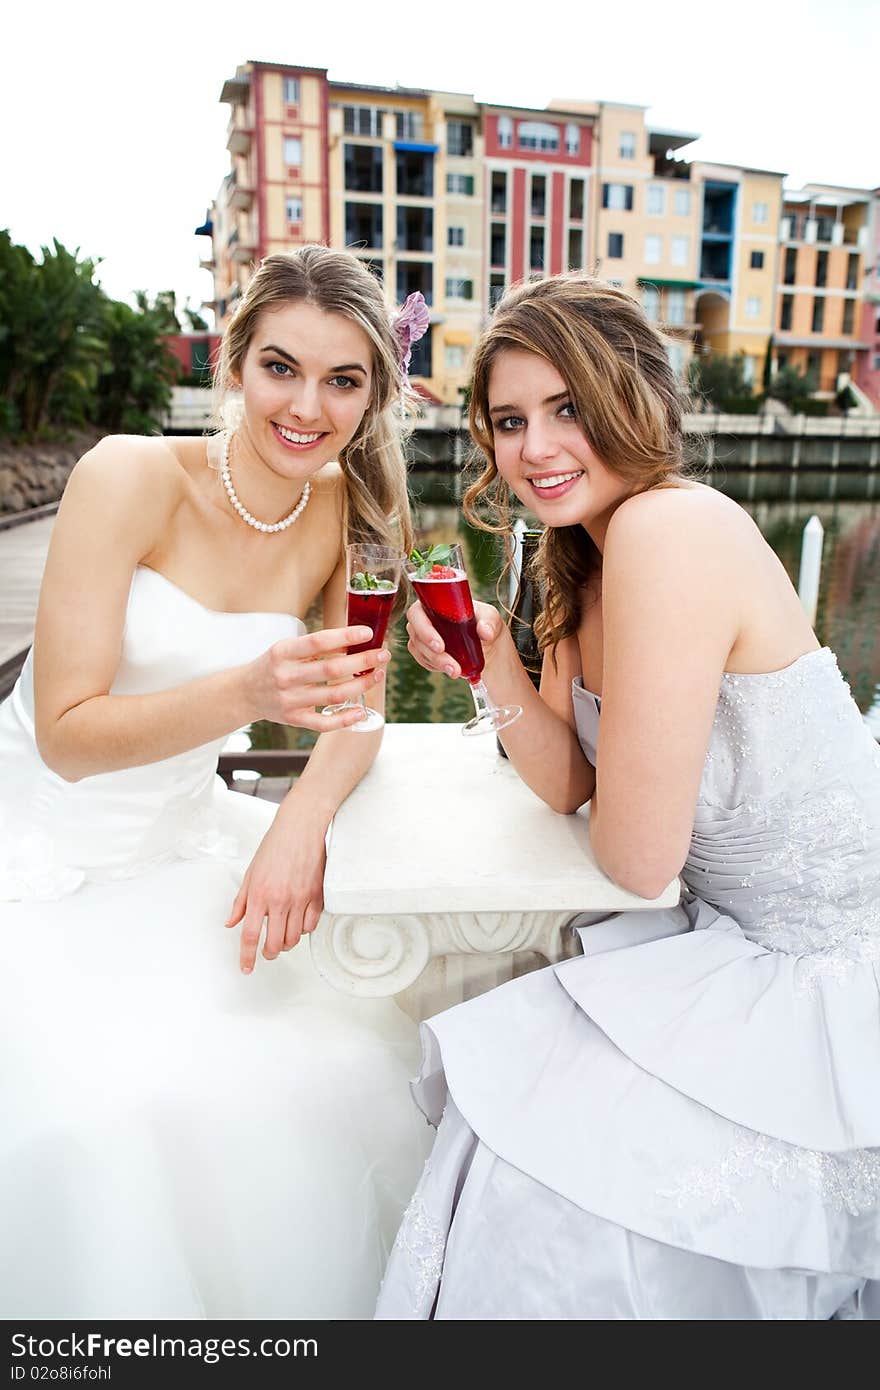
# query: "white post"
(516, 563)
(811, 566)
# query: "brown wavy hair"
(627, 400)
(376, 504)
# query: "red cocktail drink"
(370, 608)
(439, 578)
(448, 603)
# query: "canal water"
(781, 503)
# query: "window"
(412, 276)
(505, 132)
(821, 269)
(651, 302)
(759, 213)
(362, 120)
(756, 260)
(575, 249)
(681, 250)
(852, 271)
(496, 290)
(818, 314)
(626, 146)
(363, 168)
(748, 370)
(459, 138)
(790, 273)
(676, 308)
(200, 357)
(415, 229)
(460, 183)
(849, 315)
(363, 224)
(615, 246)
(536, 249)
(814, 366)
(787, 310)
(618, 196)
(498, 243)
(653, 250)
(576, 200)
(293, 209)
(539, 195)
(415, 174)
(291, 91)
(375, 266)
(456, 357)
(538, 135)
(656, 200)
(753, 307)
(681, 202)
(877, 362)
(499, 191)
(455, 236)
(292, 151)
(456, 288)
(572, 139)
(408, 125)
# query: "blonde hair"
(376, 506)
(627, 401)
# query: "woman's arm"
(670, 618)
(542, 744)
(284, 885)
(120, 499)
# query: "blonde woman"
(185, 1135)
(683, 1122)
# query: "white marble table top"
(442, 823)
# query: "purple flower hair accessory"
(410, 325)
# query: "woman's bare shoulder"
(691, 511)
(126, 478)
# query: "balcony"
(209, 264)
(238, 138)
(241, 196)
(236, 90)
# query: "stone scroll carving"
(370, 956)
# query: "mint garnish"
(363, 582)
(425, 560)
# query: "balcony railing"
(238, 137)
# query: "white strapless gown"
(178, 1140)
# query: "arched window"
(538, 135)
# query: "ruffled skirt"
(664, 1128)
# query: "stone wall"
(32, 475)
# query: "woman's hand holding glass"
(295, 675)
(425, 644)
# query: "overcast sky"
(115, 138)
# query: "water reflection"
(848, 614)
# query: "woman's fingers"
(251, 932)
(236, 912)
(311, 917)
(422, 630)
(314, 645)
(276, 930)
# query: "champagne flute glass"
(439, 578)
(372, 581)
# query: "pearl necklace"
(242, 510)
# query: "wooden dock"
(23, 549)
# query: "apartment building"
(824, 241)
(866, 375)
(537, 175)
(459, 199)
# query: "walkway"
(22, 557)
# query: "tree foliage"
(719, 380)
(70, 355)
